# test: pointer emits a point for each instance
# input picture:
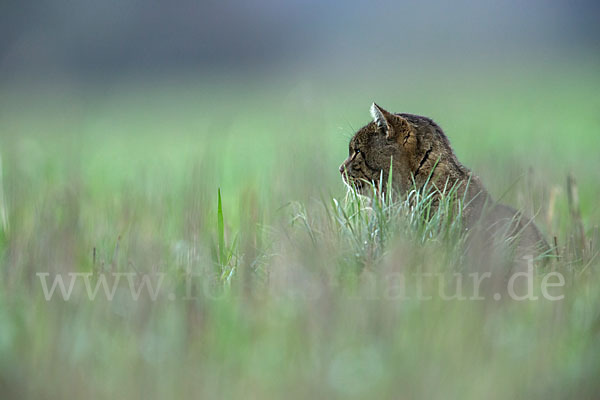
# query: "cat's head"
(390, 140)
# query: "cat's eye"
(357, 151)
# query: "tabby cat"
(419, 152)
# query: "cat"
(419, 153)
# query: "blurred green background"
(119, 121)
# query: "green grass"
(234, 194)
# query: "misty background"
(204, 138)
(110, 39)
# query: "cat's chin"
(360, 187)
(366, 191)
(363, 189)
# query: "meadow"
(275, 278)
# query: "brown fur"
(418, 150)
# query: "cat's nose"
(342, 169)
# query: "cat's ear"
(390, 124)
(383, 120)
